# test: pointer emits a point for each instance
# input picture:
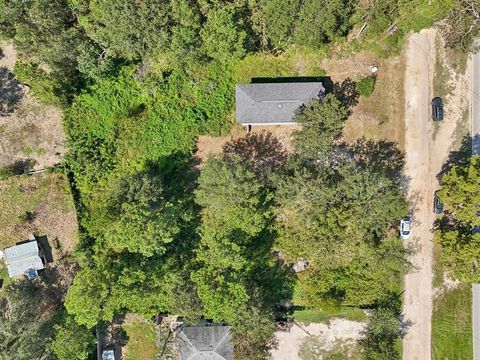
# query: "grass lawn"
(48, 199)
(141, 343)
(321, 315)
(452, 324)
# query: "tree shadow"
(46, 248)
(18, 167)
(325, 80)
(263, 150)
(383, 156)
(346, 92)
(11, 91)
(112, 336)
(476, 144)
(458, 157)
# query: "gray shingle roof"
(23, 259)
(205, 343)
(273, 103)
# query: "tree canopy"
(456, 232)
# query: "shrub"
(366, 86)
(19, 167)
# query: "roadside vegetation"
(452, 324)
(321, 315)
(456, 231)
(458, 243)
(138, 83)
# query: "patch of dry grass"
(381, 116)
(47, 198)
(141, 343)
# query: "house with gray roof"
(205, 342)
(273, 103)
(24, 259)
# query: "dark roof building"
(208, 342)
(273, 103)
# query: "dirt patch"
(353, 67)
(28, 129)
(210, 145)
(39, 204)
(305, 342)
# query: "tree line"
(458, 230)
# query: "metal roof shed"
(23, 259)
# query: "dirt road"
(427, 146)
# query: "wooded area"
(138, 83)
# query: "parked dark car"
(437, 109)
(437, 204)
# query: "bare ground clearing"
(28, 129)
(326, 336)
(210, 145)
(427, 146)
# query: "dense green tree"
(382, 335)
(185, 42)
(237, 279)
(223, 34)
(232, 195)
(461, 191)
(234, 213)
(43, 32)
(73, 341)
(460, 252)
(279, 18)
(142, 220)
(457, 231)
(253, 332)
(87, 298)
(322, 123)
(130, 29)
(322, 21)
(46, 36)
(95, 63)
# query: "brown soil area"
(210, 145)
